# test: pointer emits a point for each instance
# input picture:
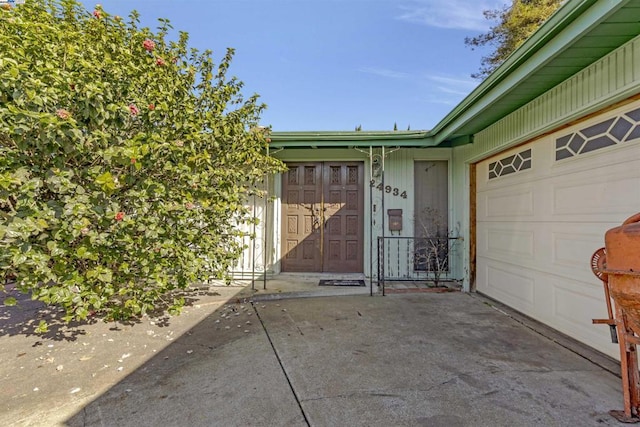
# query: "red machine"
(618, 266)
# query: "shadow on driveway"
(424, 360)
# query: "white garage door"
(543, 209)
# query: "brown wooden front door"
(322, 212)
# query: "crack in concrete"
(284, 371)
(360, 393)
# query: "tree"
(125, 160)
(514, 25)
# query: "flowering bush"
(105, 206)
(148, 45)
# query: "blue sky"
(335, 64)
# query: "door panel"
(431, 216)
(343, 225)
(302, 200)
(323, 206)
(431, 188)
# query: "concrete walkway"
(446, 359)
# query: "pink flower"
(119, 216)
(149, 45)
(133, 110)
(63, 114)
(133, 160)
(189, 205)
(160, 62)
(96, 14)
(152, 107)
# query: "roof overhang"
(577, 35)
(351, 139)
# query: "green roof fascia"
(351, 139)
(575, 16)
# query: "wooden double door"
(322, 217)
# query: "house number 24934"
(388, 189)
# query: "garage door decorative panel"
(609, 132)
(577, 315)
(594, 195)
(510, 164)
(571, 249)
(510, 242)
(513, 285)
(516, 202)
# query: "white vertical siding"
(611, 79)
(253, 259)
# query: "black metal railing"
(415, 258)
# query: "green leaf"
(81, 252)
(105, 276)
(42, 327)
(10, 301)
(106, 181)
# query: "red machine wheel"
(599, 264)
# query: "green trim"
(461, 140)
(351, 139)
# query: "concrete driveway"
(447, 359)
